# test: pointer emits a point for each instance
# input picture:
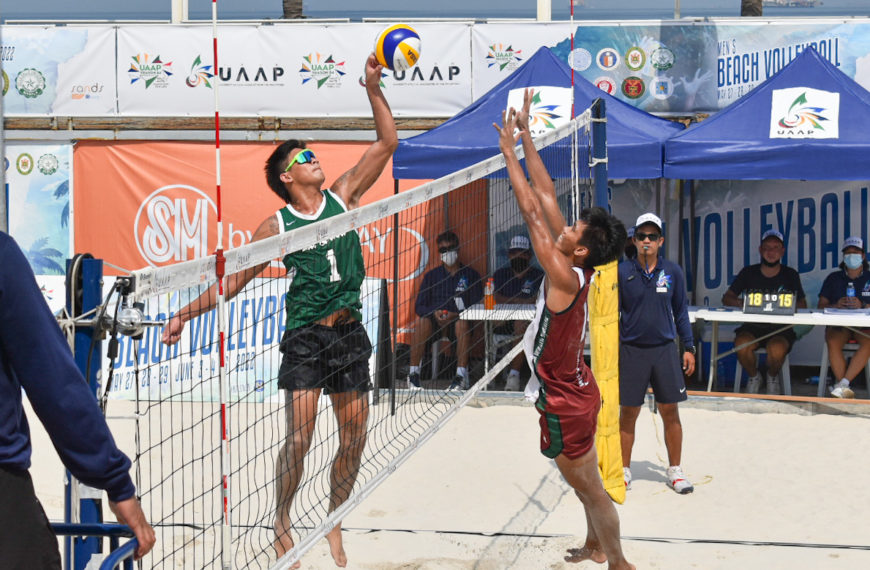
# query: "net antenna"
(226, 535)
(214, 420)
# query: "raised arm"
(208, 300)
(562, 282)
(541, 181)
(351, 185)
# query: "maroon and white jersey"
(554, 348)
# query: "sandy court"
(773, 490)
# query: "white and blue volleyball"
(398, 47)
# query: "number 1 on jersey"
(333, 266)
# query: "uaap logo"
(323, 71)
(200, 74)
(505, 57)
(173, 224)
(151, 71)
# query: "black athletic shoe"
(459, 383)
(414, 381)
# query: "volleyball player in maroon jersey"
(568, 399)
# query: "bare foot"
(336, 547)
(283, 542)
(576, 555)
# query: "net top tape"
(154, 281)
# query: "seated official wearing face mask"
(445, 292)
(517, 283)
(847, 288)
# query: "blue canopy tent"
(736, 143)
(634, 137)
(774, 134)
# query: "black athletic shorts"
(335, 359)
(26, 541)
(656, 366)
(760, 329)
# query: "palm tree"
(747, 7)
(40, 258)
(293, 9)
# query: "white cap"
(520, 242)
(853, 241)
(648, 218)
(772, 233)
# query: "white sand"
(480, 495)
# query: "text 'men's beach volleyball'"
(398, 47)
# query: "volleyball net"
(226, 462)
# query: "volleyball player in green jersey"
(325, 347)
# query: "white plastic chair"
(786, 374)
(851, 347)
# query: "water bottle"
(850, 289)
(488, 294)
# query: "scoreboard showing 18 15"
(757, 302)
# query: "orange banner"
(155, 203)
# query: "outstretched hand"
(507, 140)
(373, 71)
(523, 115)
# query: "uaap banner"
(285, 70)
(314, 70)
(673, 66)
(50, 70)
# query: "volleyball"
(398, 47)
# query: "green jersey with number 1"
(326, 277)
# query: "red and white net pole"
(575, 178)
(226, 534)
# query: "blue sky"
(263, 9)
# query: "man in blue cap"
(769, 276)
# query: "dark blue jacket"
(652, 308)
(835, 285)
(439, 288)
(35, 356)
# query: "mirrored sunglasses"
(301, 157)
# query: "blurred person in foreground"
(35, 358)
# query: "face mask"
(769, 263)
(449, 257)
(853, 260)
(519, 264)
